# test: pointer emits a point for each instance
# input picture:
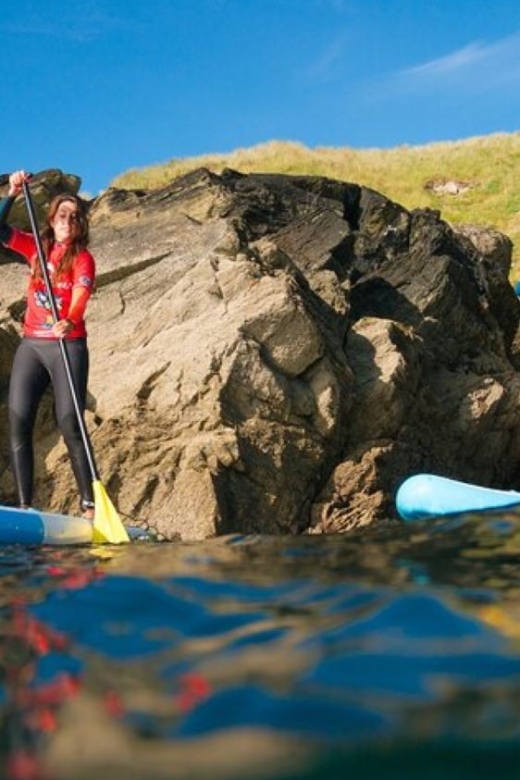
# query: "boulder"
(275, 354)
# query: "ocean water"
(389, 653)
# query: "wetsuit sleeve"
(17, 240)
(5, 230)
(78, 304)
(84, 271)
(23, 243)
(84, 278)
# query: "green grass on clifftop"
(475, 181)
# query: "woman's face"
(65, 222)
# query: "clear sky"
(96, 87)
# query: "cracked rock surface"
(275, 354)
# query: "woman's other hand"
(61, 328)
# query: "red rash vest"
(38, 318)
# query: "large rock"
(274, 354)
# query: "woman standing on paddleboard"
(38, 361)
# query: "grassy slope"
(490, 165)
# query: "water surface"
(392, 652)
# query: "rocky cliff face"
(275, 354)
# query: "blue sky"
(96, 87)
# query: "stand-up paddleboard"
(427, 495)
(32, 527)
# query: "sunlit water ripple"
(393, 652)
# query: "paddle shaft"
(56, 317)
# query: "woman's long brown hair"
(80, 241)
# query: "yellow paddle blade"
(107, 523)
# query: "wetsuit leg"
(29, 380)
(66, 417)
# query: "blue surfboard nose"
(428, 495)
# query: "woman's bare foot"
(88, 510)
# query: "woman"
(38, 360)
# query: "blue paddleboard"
(427, 495)
(32, 527)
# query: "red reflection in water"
(32, 707)
(113, 704)
(21, 765)
(193, 689)
(74, 579)
(40, 637)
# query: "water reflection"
(392, 649)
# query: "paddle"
(107, 523)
